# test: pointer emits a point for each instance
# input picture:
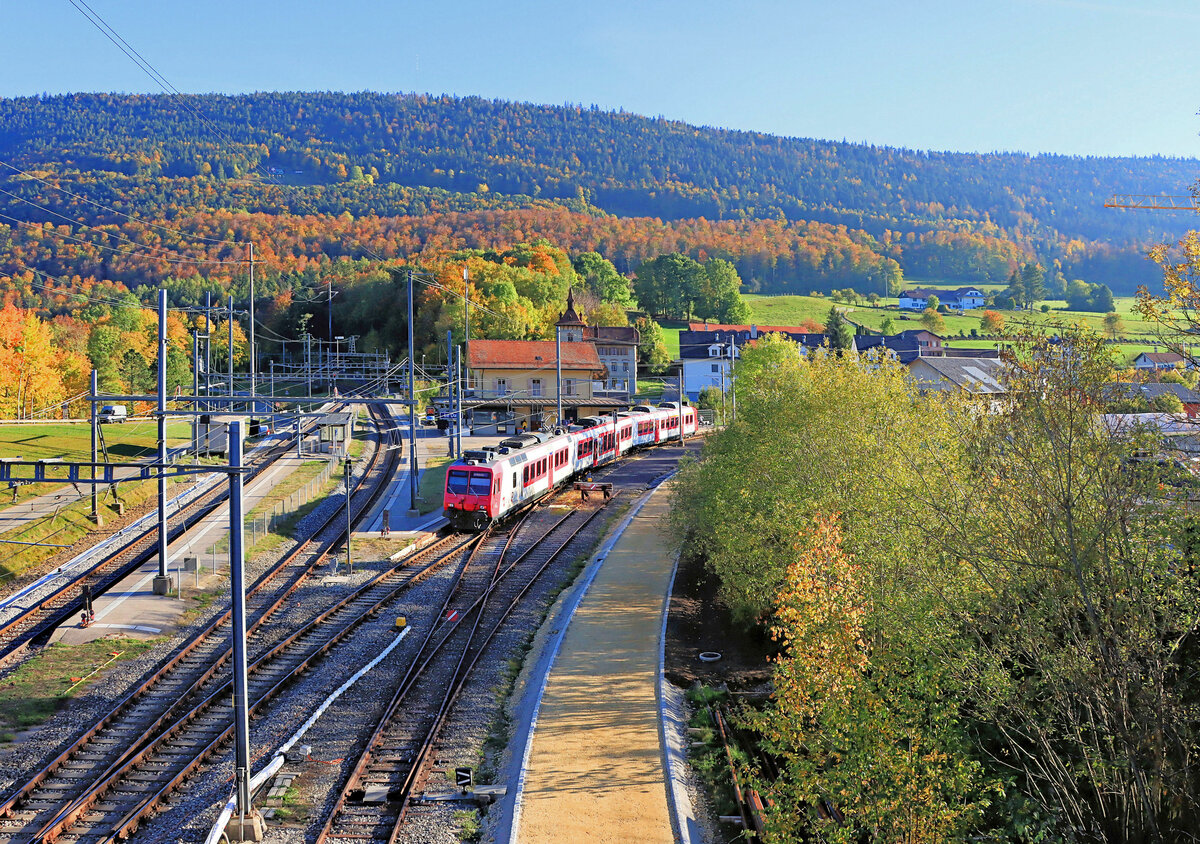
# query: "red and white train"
(487, 484)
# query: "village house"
(979, 377)
(1189, 398)
(1158, 360)
(962, 299)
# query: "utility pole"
(451, 386)
(230, 353)
(95, 494)
(328, 367)
(466, 306)
(195, 392)
(253, 361)
(412, 405)
(207, 347)
(681, 400)
(459, 372)
(349, 560)
(558, 372)
(308, 361)
(162, 583)
(237, 578)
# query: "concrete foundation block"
(252, 829)
(162, 584)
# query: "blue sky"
(1088, 77)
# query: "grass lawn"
(792, 310)
(127, 441)
(39, 687)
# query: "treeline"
(45, 363)
(987, 620)
(210, 247)
(306, 155)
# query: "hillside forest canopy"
(127, 191)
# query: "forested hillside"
(316, 176)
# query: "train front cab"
(472, 496)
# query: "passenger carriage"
(489, 483)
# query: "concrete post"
(162, 582)
(412, 406)
(95, 492)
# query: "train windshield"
(456, 482)
(481, 483)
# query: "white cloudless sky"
(1081, 77)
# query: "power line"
(134, 243)
(115, 211)
(132, 253)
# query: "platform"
(594, 768)
(131, 608)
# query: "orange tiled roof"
(530, 354)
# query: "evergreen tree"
(839, 331)
(1033, 284)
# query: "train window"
(456, 482)
(514, 480)
(480, 483)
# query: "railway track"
(64, 601)
(395, 763)
(84, 784)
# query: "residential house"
(983, 377)
(707, 351)
(906, 346)
(1177, 431)
(1158, 360)
(513, 383)
(962, 299)
(1190, 399)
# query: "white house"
(708, 366)
(962, 299)
(1158, 360)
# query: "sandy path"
(595, 769)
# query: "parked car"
(112, 413)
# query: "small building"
(210, 432)
(1176, 431)
(334, 431)
(512, 384)
(906, 346)
(707, 352)
(1158, 360)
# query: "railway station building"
(512, 385)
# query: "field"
(72, 441)
(1136, 336)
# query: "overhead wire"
(149, 69)
(115, 211)
(179, 260)
(127, 252)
